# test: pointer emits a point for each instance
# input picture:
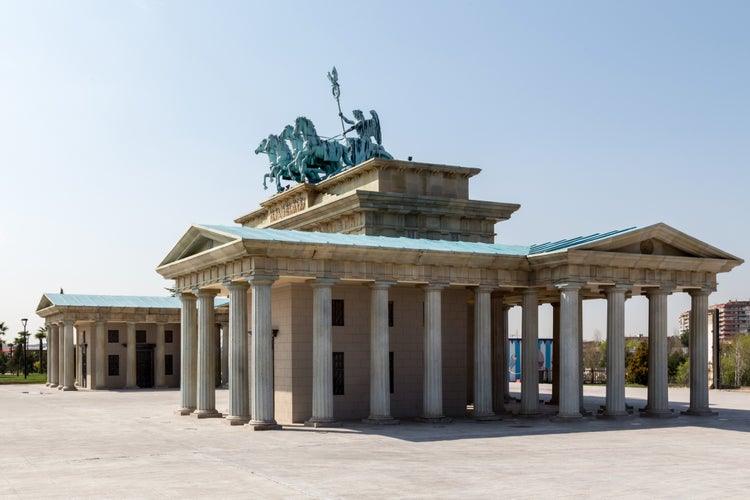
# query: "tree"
(674, 362)
(3, 329)
(41, 334)
(636, 371)
(685, 338)
(735, 361)
(682, 374)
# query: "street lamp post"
(25, 336)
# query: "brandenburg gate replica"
(373, 288)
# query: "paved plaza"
(130, 444)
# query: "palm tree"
(41, 334)
(3, 329)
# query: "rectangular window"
(337, 312)
(140, 336)
(390, 369)
(168, 367)
(338, 373)
(114, 365)
(168, 337)
(113, 336)
(390, 313)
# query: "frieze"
(287, 208)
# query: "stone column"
(225, 350)
(570, 369)
(52, 355)
(262, 352)
(159, 380)
(432, 392)
(188, 353)
(658, 395)
(235, 345)
(499, 353)
(483, 354)
(101, 341)
(530, 353)
(206, 381)
(699, 353)
(68, 357)
(60, 355)
(555, 399)
(322, 376)
(130, 377)
(615, 403)
(380, 396)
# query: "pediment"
(196, 240)
(658, 239)
(44, 303)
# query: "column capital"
(530, 291)
(484, 288)
(569, 285)
(238, 285)
(323, 281)
(659, 290)
(186, 297)
(67, 322)
(382, 284)
(617, 288)
(262, 279)
(435, 285)
(205, 292)
(704, 290)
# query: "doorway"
(144, 366)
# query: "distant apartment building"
(728, 318)
(724, 322)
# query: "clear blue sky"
(121, 123)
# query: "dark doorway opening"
(144, 366)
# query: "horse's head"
(304, 127)
(287, 133)
(261, 147)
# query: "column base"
(52, 386)
(434, 420)
(322, 422)
(380, 421)
(259, 425)
(184, 411)
(69, 388)
(237, 420)
(212, 413)
(659, 413)
(699, 412)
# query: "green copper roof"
(65, 299)
(251, 233)
(574, 242)
(265, 234)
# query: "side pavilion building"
(116, 341)
(380, 293)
